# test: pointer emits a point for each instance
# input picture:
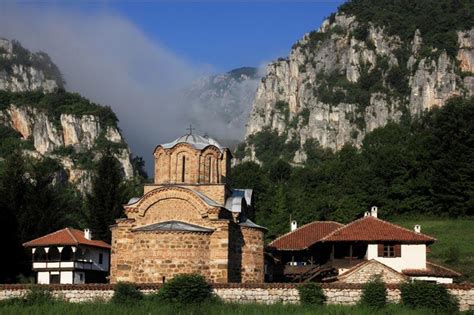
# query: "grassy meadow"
(150, 307)
(454, 247)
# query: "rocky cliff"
(350, 77)
(21, 70)
(45, 121)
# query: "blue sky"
(223, 34)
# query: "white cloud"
(109, 60)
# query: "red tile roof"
(373, 229)
(66, 236)
(305, 236)
(432, 270)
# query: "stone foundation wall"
(268, 293)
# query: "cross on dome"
(190, 129)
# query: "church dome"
(197, 141)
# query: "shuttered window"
(398, 250)
(389, 250)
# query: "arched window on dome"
(209, 169)
(183, 169)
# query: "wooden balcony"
(59, 265)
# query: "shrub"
(429, 295)
(186, 289)
(311, 293)
(126, 293)
(38, 295)
(374, 294)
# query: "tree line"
(36, 200)
(420, 166)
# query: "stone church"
(189, 220)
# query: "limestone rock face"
(21, 70)
(72, 140)
(81, 133)
(336, 59)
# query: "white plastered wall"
(413, 256)
(92, 255)
(66, 277)
(77, 277)
(43, 277)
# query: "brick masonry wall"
(268, 293)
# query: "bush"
(374, 294)
(429, 295)
(38, 295)
(186, 289)
(311, 293)
(126, 293)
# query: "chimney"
(373, 211)
(366, 214)
(417, 228)
(294, 225)
(87, 234)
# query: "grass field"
(146, 307)
(454, 247)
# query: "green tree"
(107, 196)
(12, 189)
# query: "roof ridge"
(380, 220)
(68, 229)
(340, 228)
(304, 225)
(404, 228)
(44, 236)
(354, 268)
(366, 262)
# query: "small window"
(101, 258)
(81, 277)
(389, 250)
(183, 169)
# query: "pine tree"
(107, 196)
(12, 189)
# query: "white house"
(355, 252)
(69, 256)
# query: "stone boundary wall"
(268, 293)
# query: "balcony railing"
(40, 265)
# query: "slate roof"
(305, 236)
(203, 197)
(370, 229)
(249, 223)
(197, 141)
(67, 237)
(432, 270)
(234, 202)
(177, 226)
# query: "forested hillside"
(371, 63)
(63, 160)
(421, 166)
